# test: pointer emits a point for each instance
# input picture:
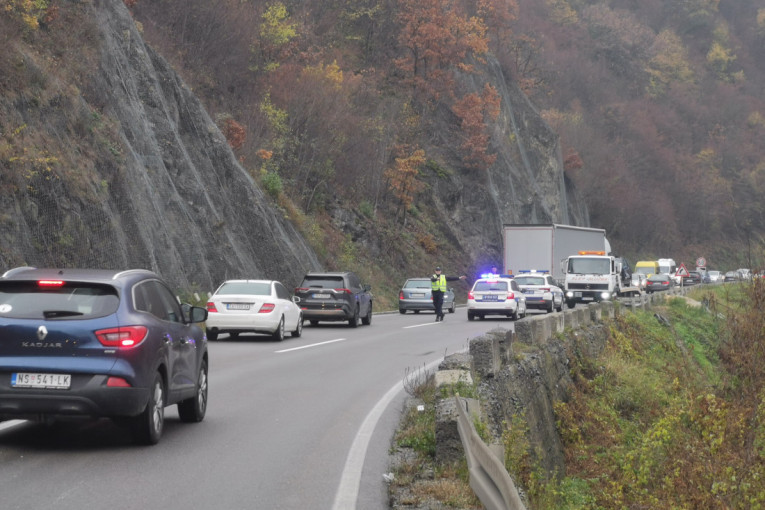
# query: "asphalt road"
(301, 424)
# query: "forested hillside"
(659, 104)
(396, 134)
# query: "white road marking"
(420, 325)
(312, 345)
(348, 490)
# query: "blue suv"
(99, 343)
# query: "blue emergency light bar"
(487, 276)
(534, 271)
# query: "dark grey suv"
(99, 343)
(336, 296)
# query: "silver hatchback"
(416, 295)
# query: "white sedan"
(496, 296)
(253, 306)
(541, 290)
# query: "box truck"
(543, 247)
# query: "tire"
(354, 321)
(453, 308)
(193, 410)
(570, 304)
(416, 312)
(314, 323)
(470, 316)
(278, 335)
(559, 308)
(212, 335)
(147, 426)
(367, 319)
(233, 334)
(299, 328)
(551, 308)
(402, 312)
(482, 317)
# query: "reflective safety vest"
(439, 284)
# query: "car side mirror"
(196, 314)
(296, 299)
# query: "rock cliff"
(168, 195)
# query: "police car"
(495, 295)
(540, 290)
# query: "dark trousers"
(438, 302)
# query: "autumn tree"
(438, 37)
(668, 64)
(402, 179)
(475, 112)
(276, 31)
(497, 16)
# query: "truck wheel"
(570, 304)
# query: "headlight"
(605, 295)
(569, 294)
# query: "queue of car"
(119, 344)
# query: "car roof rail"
(16, 270)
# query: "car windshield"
(530, 280)
(645, 270)
(486, 286)
(417, 284)
(323, 282)
(252, 288)
(70, 300)
(583, 265)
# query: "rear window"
(486, 286)
(253, 288)
(323, 282)
(417, 284)
(529, 280)
(71, 300)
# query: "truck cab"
(591, 276)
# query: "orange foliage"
(402, 178)
(474, 111)
(572, 161)
(235, 133)
(439, 36)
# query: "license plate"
(35, 380)
(418, 294)
(238, 306)
(490, 297)
(587, 299)
(321, 296)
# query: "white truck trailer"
(543, 247)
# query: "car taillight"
(301, 289)
(346, 291)
(124, 336)
(117, 382)
(510, 295)
(401, 294)
(50, 283)
(211, 307)
(545, 289)
(267, 308)
(470, 295)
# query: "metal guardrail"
(488, 477)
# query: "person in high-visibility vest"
(438, 289)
